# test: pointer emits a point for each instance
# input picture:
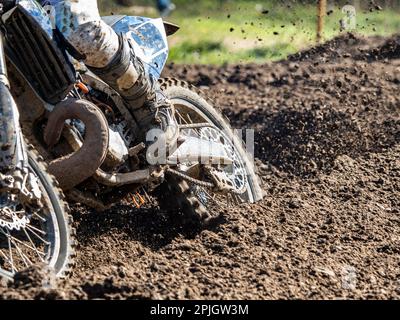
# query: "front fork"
(13, 154)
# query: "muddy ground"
(327, 125)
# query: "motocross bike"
(90, 140)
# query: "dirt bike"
(86, 141)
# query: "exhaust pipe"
(75, 168)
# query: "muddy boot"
(128, 76)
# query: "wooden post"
(321, 15)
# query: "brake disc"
(233, 177)
(12, 206)
(11, 218)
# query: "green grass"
(217, 32)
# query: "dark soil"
(327, 125)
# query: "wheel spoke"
(186, 122)
(180, 117)
(7, 258)
(39, 253)
(21, 254)
(13, 268)
(39, 216)
(12, 241)
(37, 236)
(26, 245)
(36, 229)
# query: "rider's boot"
(127, 75)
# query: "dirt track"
(327, 127)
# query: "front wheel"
(186, 191)
(36, 236)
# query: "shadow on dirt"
(151, 226)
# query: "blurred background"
(239, 31)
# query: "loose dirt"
(327, 131)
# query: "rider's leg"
(109, 56)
